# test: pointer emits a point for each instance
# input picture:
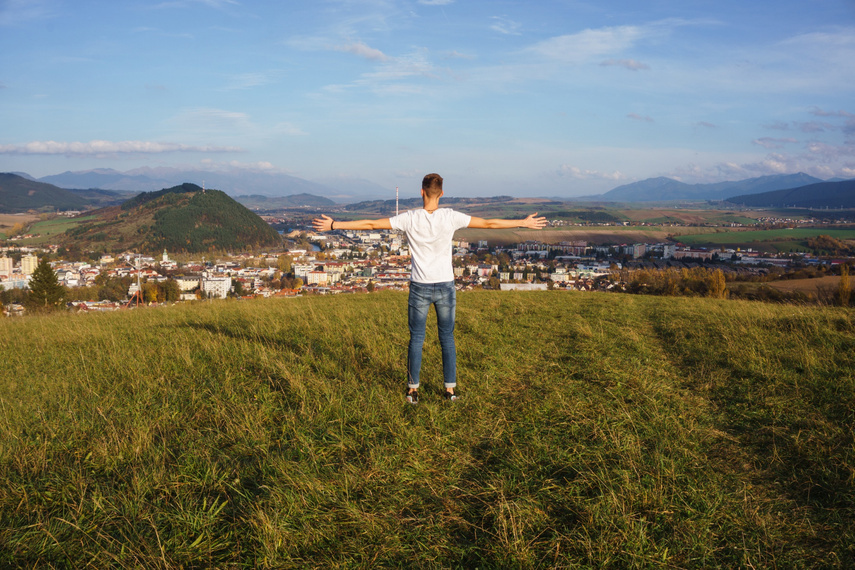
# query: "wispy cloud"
(17, 12)
(637, 117)
(436, 2)
(816, 111)
(582, 46)
(505, 26)
(770, 143)
(362, 50)
(706, 125)
(630, 64)
(248, 81)
(218, 4)
(98, 148)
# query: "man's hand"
(322, 224)
(533, 222)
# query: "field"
(590, 234)
(49, 230)
(777, 240)
(594, 430)
(7, 221)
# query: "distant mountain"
(666, 189)
(350, 188)
(258, 202)
(180, 219)
(241, 182)
(821, 195)
(19, 194)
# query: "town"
(349, 262)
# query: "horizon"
(546, 100)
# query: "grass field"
(589, 234)
(594, 430)
(778, 239)
(49, 230)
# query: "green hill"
(182, 219)
(594, 430)
(19, 194)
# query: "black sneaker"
(449, 396)
(413, 397)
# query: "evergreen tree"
(46, 294)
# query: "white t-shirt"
(429, 236)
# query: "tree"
(718, 285)
(370, 286)
(844, 289)
(46, 294)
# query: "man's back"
(429, 235)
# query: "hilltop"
(594, 430)
(182, 219)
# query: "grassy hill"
(594, 430)
(180, 219)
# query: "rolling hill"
(823, 195)
(19, 194)
(182, 219)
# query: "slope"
(823, 195)
(19, 194)
(594, 430)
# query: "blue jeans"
(443, 297)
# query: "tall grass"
(594, 430)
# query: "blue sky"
(547, 98)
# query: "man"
(429, 233)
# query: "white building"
(6, 265)
(217, 287)
(29, 264)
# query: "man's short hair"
(432, 185)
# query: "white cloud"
(98, 148)
(505, 26)
(580, 174)
(436, 2)
(582, 46)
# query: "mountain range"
(237, 183)
(667, 189)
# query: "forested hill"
(19, 194)
(181, 219)
(823, 195)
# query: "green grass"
(50, 230)
(594, 430)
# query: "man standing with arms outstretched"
(429, 233)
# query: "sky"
(502, 97)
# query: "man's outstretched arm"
(326, 223)
(531, 221)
